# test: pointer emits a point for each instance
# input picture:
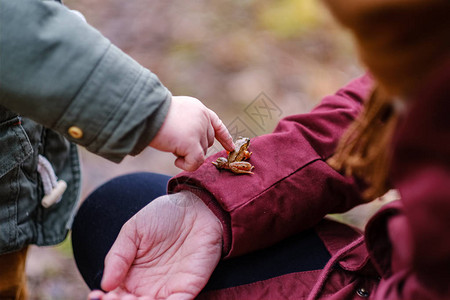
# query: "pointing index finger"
(221, 132)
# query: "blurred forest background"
(234, 55)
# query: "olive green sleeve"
(61, 72)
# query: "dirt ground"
(229, 54)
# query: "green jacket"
(58, 73)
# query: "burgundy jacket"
(404, 253)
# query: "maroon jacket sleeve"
(292, 187)
(410, 244)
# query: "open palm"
(168, 250)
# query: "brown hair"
(400, 42)
(363, 151)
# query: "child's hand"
(188, 132)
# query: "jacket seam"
(274, 184)
(14, 187)
(108, 120)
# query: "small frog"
(235, 161)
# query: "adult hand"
(168, 250)
(188, 132)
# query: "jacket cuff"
(129, 102)
(176, 185)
